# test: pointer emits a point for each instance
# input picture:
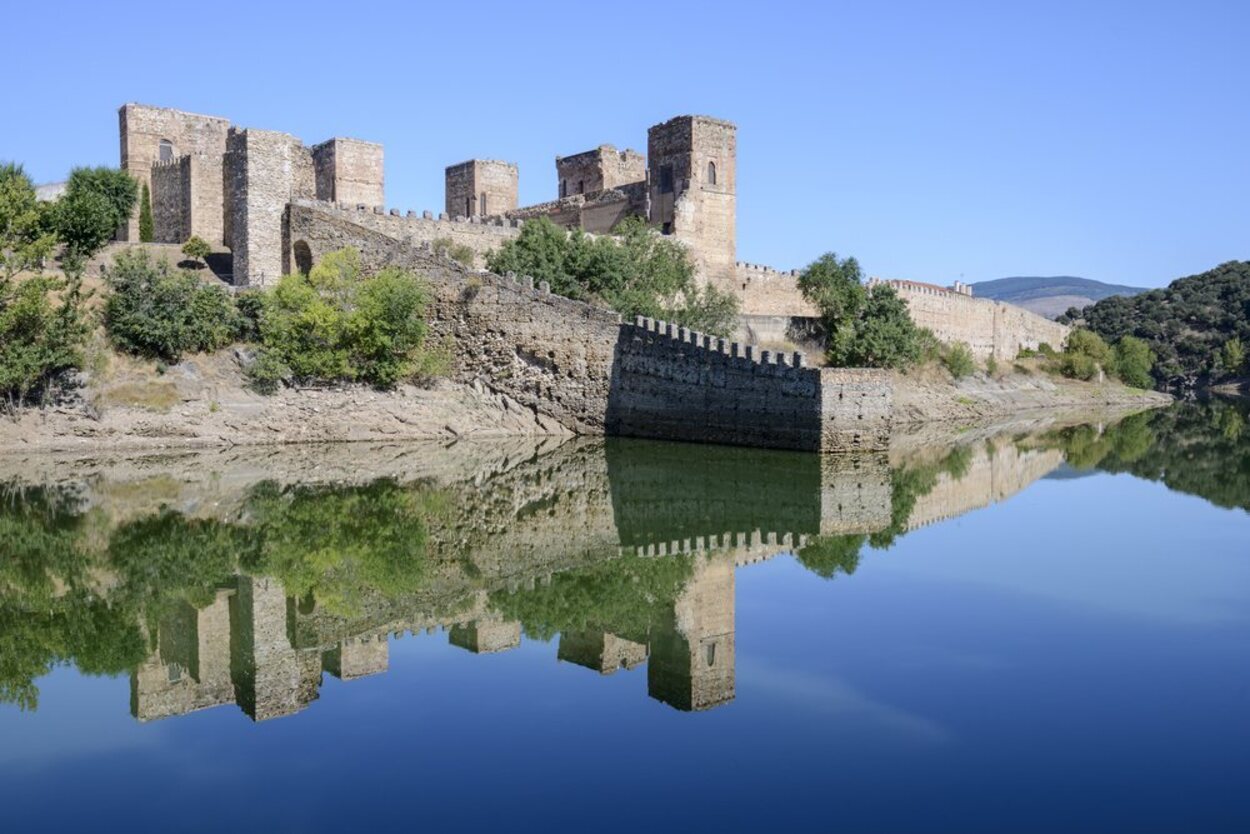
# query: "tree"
(97, 202)
(41, 318)
(197, 248)
(1232, 356)
(1133, 362)
(958, 360)
(147, 232)
(864, 326)
(636, 272)
(158, 311)
(24, 240)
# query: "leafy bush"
(197, 248)
(96, 203)
(1133, 362)
(42, 322)
(1077, 366)
(1232, 356)
(157, 311)
(39, 337)
(333, 324)
(991, 366)
(267, 372)
(865, 326)
(636, 273)
(1090, 344)
(958, 360)
(456, 251)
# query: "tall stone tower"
(165, 137)
(693, 176)
(481, 188)
(349, 171)
(605, 167)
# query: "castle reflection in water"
(624, 551)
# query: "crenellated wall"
(765, 291)
(989, 328)
(576, 363)
(677, 384)
(171, 208)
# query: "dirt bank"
(929, 395)
(204, 401)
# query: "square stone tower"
(692, 189)
(605, 167)
(160, 135)
(349, 171)
(481, 188)
(693, 658)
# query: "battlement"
(745, 356)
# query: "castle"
(234, 187)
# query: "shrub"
(1089, 343)
(197, 248)
(991, 366)
(1232, 356)
(1133, 362)
(1045, 349)
(1077, 366)
(267, 372)
(459, 252)
(147, 232)
(39, 337)
(159, 312)
(333, 324)
(958, 360)
(636, 273)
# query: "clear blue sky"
(930, 140)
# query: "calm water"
(1024, 632)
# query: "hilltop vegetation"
(1197, 326)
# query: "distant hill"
(1050, 297)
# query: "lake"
(1032, 628)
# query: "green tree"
(42, 321)
(96, 203)
(147, 232)
(158, 311)
(24, 241)
(636, 272)
(1232, 356)
(864, 326)
(1133, 362)
(197, 248)
(336, 324)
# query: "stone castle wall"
(349, 171)
(171, 209)
(989, 328)
(676, 384)
(576, 363)
(266, 170)
(481, 235)
(143, 128)
(765, 291)
(602, 168)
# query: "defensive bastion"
(583, 367)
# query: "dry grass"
(155, 395)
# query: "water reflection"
(242, 578)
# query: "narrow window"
(564, 189)
(711, 173)
(666, 179)
(166, 151)
(468, 206)
(581, 186)
(483, 204)
(667, 229)
(711, 654)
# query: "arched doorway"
(303, 257)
